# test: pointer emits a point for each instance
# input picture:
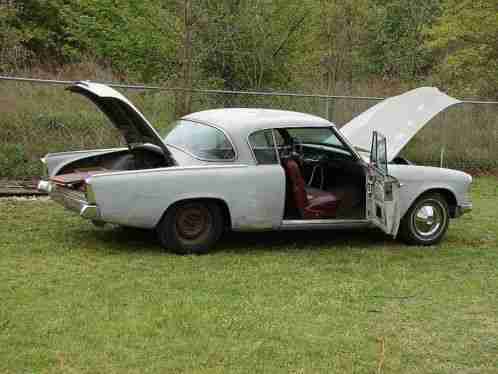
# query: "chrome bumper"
(71, 200)
(462, 209)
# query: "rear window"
(202, 141)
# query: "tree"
(396, 29)
(332, 48)
(465, 39)
(248, 44)
(13, 55)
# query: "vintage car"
(261, 169)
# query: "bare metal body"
(254, 194)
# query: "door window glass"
(263, 147)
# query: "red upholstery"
(309, 202)
(297, 185)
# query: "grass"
(38, 119)
(78, 299)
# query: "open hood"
(398, 118)
(123, 114)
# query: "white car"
(260, 169)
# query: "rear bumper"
(71, 199)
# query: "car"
(260, 169)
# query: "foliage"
(333, 45)
(13, 54)
(466, 38)
(318, 45)
(137, 39)
(250, 41)
(396, 48)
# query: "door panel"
(382, 189)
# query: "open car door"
(382, 189)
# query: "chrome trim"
(462, 209)
(75, 201)
(428, 220)
(234, 158)
(70, 199)
(44, 186)
(299, 224)
(248, 141)
(275, 145)
(170, 168)
(348, 143)
(90, 212)
(86, 151)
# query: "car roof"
(244, 121)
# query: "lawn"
(78, 299)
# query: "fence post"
(441, 156)
(329, 109)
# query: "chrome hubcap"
(428, 219)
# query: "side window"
(263, 147)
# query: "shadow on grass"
(137, 240)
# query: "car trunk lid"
(123, 114)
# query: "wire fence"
(39, 116)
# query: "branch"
(293, 28)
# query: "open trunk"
(74, 173)
(146, 150)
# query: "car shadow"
(139, 240)
(245, 242)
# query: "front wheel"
(426, 222)
(192, 227)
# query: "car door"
(382, 189)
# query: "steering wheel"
(297, 150)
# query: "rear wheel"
(426, 221)
(192, 227)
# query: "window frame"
(275, 148)
(227, 136)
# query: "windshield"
(316, 135)
(202, 141)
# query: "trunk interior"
(145, 156)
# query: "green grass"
(78, 299)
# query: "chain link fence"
(39, 116)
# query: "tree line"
(326, 46)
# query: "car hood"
(398, 118)
(123, 114)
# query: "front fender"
(416, 180)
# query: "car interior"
(323, 180)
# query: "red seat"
(311, 203)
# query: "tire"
(191, 227)
(426, 222)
